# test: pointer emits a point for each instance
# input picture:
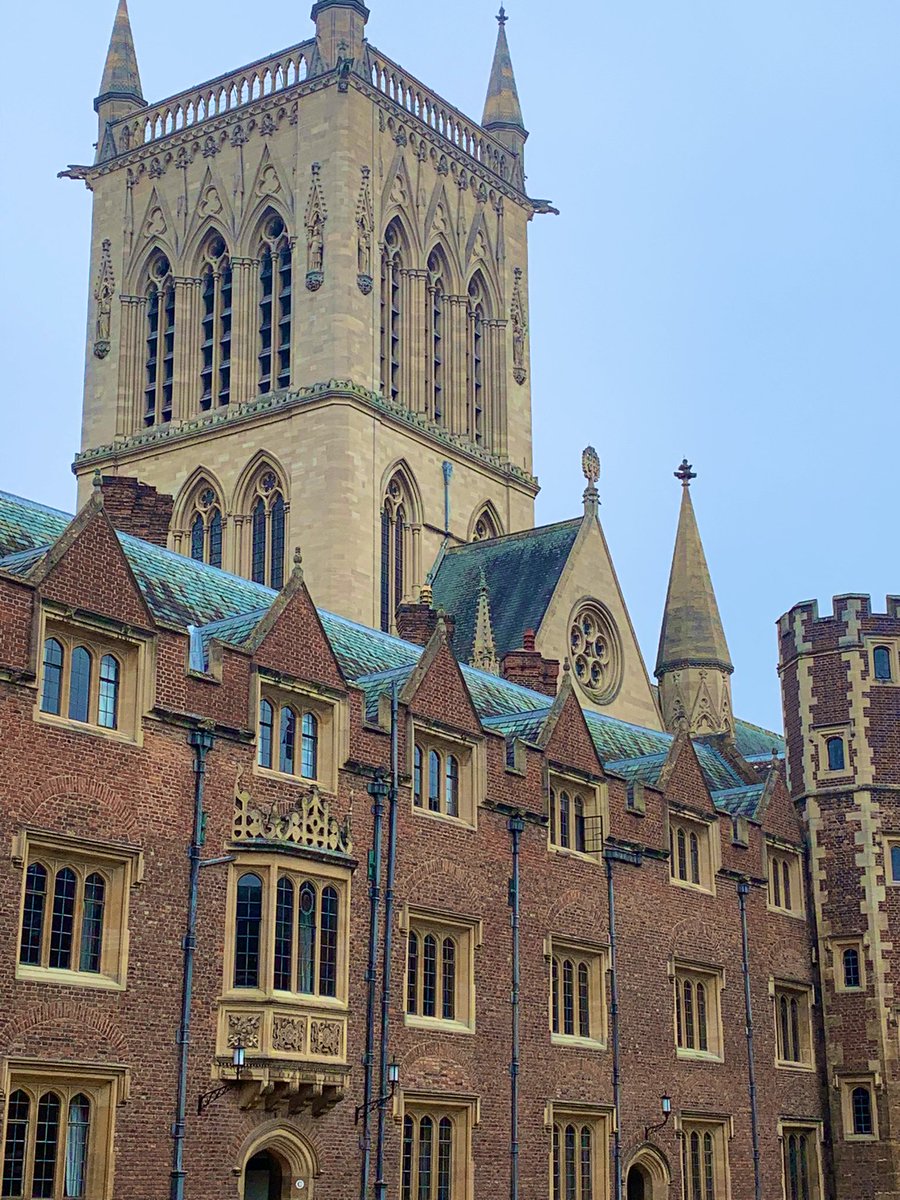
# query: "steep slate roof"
(692, 628)
(756, 744)
(211, 604)
(521, 571)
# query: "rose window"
(596, 655)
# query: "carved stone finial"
(426, 596)
(685, 473)
(502, 18)
(298, 561)
(590, 465)
(97, 483)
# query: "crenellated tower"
(693, 665)
(309, 312)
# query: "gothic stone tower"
(840, 678)
(308, 318)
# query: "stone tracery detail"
(309, 822)
(596, 652)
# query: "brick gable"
(436, 689)
(290, 638)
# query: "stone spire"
(693, 665)
(121, 78)
(502, 110)
(120, 88)
(484, 651)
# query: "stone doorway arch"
(648, 1176)
(277, 1164)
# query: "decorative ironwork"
(308, 822)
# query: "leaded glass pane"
(33, 915)
(62, 920)
(108, 705)
(328, 964)
(80, 684)
(79, 1125)
(92, 922)
(429, 976)
(46, 1144)
(51, 695)
(18, 1111)
(306, 951)
(284, 934)
(248, 926)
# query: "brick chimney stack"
(529, 668)
(137, 508)
(417, 622)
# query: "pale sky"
(723, 281)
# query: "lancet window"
(206, 527)
(392, 264)
(396, 550)
(159, 343)
(268, 514)
(215, 325)
(479, 423)
(437, 331)
(275, 288)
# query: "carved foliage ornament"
(104, 290)
(325, 1039)
(243, 1030)
(315, 219)
(308, 822)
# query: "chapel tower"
(309, 317)
(693, 665)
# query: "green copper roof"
(755, 743)
(213, 604)
(647, 768)
(740, 801)
(521, 571)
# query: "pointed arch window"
(215, 325)
(392, 288)
(206, 527)
(275, 306)
(159, 344)
(396, 550)
(437, 299)
(486, 526)
(268, 513)
(479, 423)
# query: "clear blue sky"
(723, 282)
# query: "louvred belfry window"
(392, 289)
(437, 288)
(275, 307)
(159, 356)
(215, 324)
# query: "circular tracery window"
(596, 652)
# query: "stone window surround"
(596, 803)
(333, 732)
(775, 848)
(705, 829)
(803, 992)
(467, 932)
(597, 957)
(788, 1126)
(819, 737)
(468, 751)
(122, 868)
(721, 1126)
(465, 1110)
(601, 1120)
(847, 1084)
(838, 946)
(714, 980)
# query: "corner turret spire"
(121, 78)
(693, 664)
(502, 110)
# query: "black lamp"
(666, 1106)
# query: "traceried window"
(485, 526)
(275, 303)
(206, 528)
(690, 852)
(74, 913)
(697, 1024)
(479, 425)
(800, 1150)
(435, 1152)
(440, 970)
(596, 651)
(442, 777)
(785, 886)
(792, 1026)
(268, 514)
(392, 297)
(578, 1163)
(396, 549)
(215, 325)
(577, 1004)
(87, 680)
(437, 333)
(159, 342)
(288, 739)
(287, 933)
(703, 1161)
